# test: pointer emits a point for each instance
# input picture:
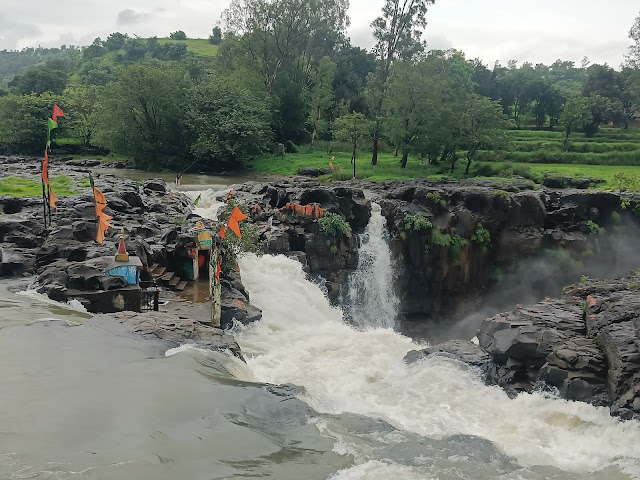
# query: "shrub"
(416, 222)
(440, 238)
(234, 246)
(594, 228)
(333, 225)
(481, 236)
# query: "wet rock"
(178, 331)
(156, 185)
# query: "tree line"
(285, 72)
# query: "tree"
(273, 32)
(41, 79)
(321, 97)
(178, 35)
(228, 121)
(115, 41)
(142, 116)
(25, 120)
(82, 103)
(398, 35)
(484, 126)
(353, 128)
(408, 104)
(633, 55)
(575, 114)
(216, 36)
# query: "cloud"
(131, 17)
(12, 32)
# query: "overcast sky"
(538, 32)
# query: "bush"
(481, 236)
(416, 223)
(333, 225)
(178, 35)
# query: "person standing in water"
(178, 179)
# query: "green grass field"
(199, 46)
(23, 187)
(388, 167)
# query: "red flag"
(45, 174)
(53, 198)
(57, 112)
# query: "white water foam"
(73, 304)
(371, 299)
(377, 470)
(302, 339)
(208, 205)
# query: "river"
(318, 398)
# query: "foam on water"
(302, 339)
(73, 304)
(377, 470)
(208, 205)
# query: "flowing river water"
(319, 398)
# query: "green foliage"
(439, 238)
(333, 225)
(502, 194)
(142, 114)
(624, 203)
(416, 223)
(216, 36)
(178, 35)
(481, 236)
(226, 120)
(624, 181)
(457, 243)
(232, 245)
(24, 119)
(615, 217)
(636, 210)
(594, 228)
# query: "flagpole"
(49, 192)
(44, 198)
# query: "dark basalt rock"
(585, 346)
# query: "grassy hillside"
(199, 46)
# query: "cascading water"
(431, 419)
(371, 301)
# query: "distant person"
(178, 179)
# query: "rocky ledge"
(176, 330)
(583, 346)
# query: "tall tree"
(321, 97)
(353, 128)
(272, 32)
(398, 34)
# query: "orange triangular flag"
(53, 198)
(234, 226)
(231, 192)
(237, 214)
(222, 233)
(218, 270)
(45, 164)
(100, 200)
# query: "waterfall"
(371, 300)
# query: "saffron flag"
(223, 231)
(57, 112)
(103, 218)
(45, 164)
(53, 198)
(218, 270)
(231, 192)
(234, 219)
(195, 202)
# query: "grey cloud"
(131, 17)
(12, 32)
